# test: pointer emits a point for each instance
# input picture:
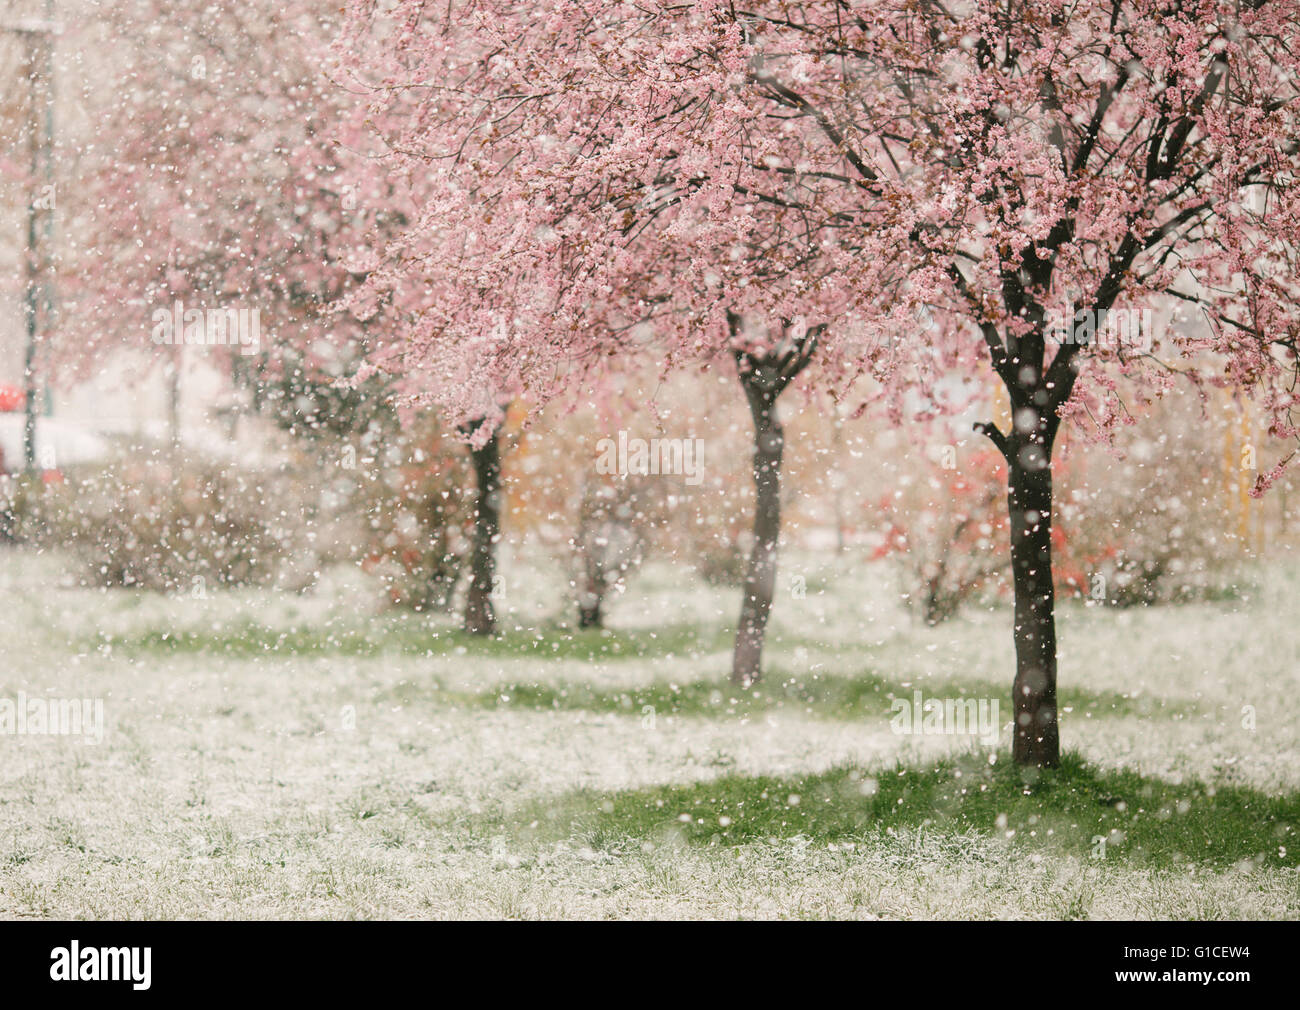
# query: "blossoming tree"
(602, 194)
(922, 181)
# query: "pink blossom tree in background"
(236, 175)
(1011, 174)
(602, 193)
(240, 172)
(484, 438)
(228, 177)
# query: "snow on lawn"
(313, 778)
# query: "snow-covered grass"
(274, 755)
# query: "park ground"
(274, 755)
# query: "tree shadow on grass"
(862, 696)
(1076, 809)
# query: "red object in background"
(11, 398)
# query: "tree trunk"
(173, 372)
(589, 615)
(1036, 739)
(837, 475)
(479, 616)
(760, 577)
(591, 600)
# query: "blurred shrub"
(714, 528)
(22, 519)
(719, 556)
(948, 530)
(393, 502)
(1142, 528)
(618, 521)
(149, 524)
(1148, 527)
(416, 504)
(396, 494)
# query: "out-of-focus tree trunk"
(173, 373)
(760, 576)
(764, 377)
(480, 619)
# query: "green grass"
(421, 637)
(866, 695)
(1145, 821)
(854, 696)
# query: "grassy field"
(271, 755)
